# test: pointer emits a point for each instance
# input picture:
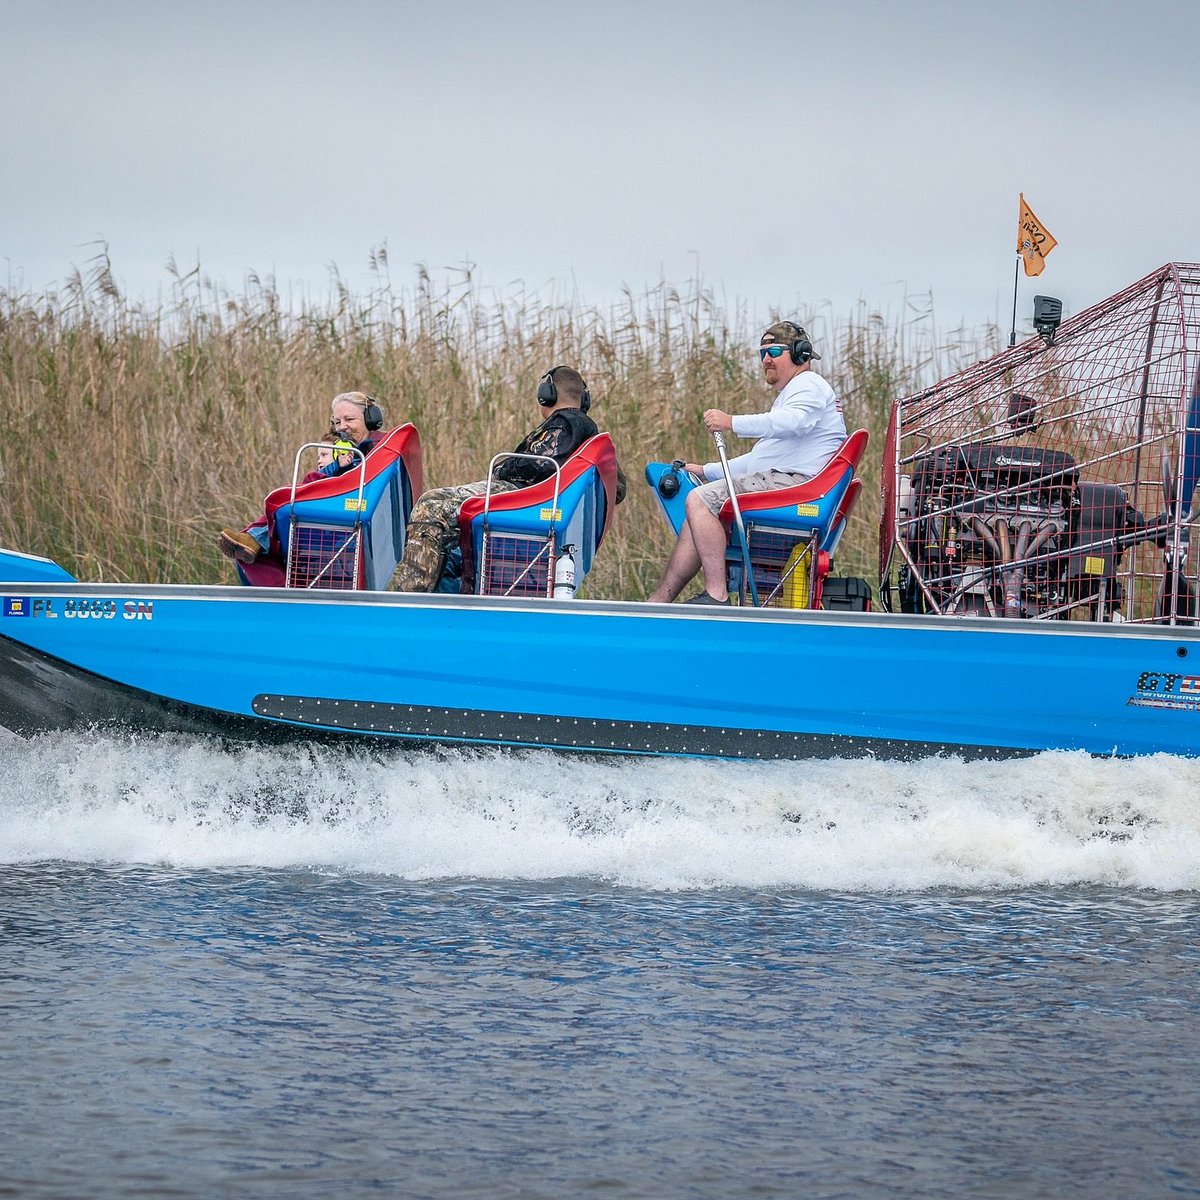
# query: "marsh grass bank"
(130, 434)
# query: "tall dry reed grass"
(129, 435)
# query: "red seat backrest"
(402, 442)
(846, 458)
(596, 452)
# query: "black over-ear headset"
(373, 415)
(800, 351)
(547, 393)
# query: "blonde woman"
(354, 417)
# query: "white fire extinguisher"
(564, 574)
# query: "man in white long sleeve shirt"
(796, 438)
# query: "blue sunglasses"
(771, 351)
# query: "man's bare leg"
(709, 541)
(701, 544)
(681, 566)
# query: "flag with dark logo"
(1034, 240)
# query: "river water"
(294, 973)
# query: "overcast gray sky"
(785, 153)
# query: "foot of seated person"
(405, 579)
(424, 557)
(237, 544)
(706, 598)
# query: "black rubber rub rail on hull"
(588, 734)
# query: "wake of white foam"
(659, 824)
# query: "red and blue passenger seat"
(792, 533)
(345, 533)
(511, 541)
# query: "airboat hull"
(597, 676)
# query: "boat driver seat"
(792, 533)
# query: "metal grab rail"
(487, 496)
(353, 540)
(550, 548)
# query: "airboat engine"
(1012, 534)
(990, 523)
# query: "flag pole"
(1012, 337)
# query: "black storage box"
(843, 593)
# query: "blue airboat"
(1036, 591)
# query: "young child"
(325, 451)
(332, 458)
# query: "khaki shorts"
(713, 495)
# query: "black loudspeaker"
(372, 415)
(547, 393)
(799, 351)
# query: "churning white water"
(1055, 819)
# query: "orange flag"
(1034, 241)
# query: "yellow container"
(796, 572)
